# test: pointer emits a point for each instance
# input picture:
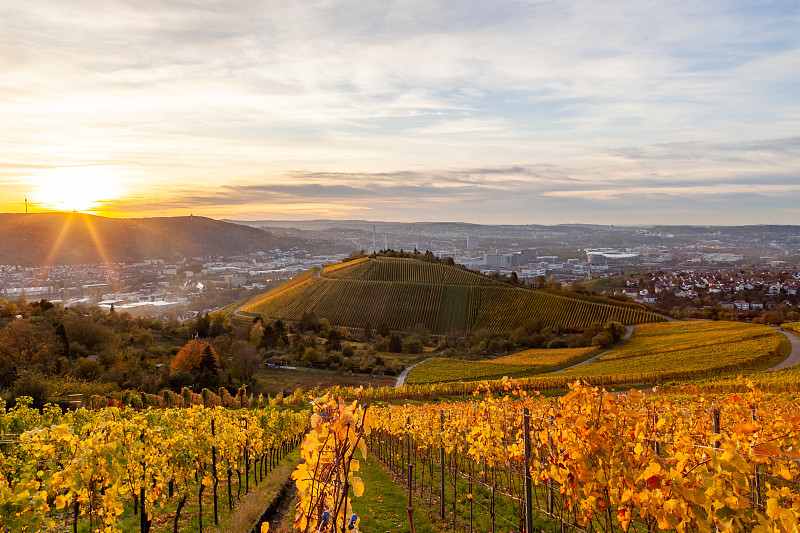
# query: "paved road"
(628, 332)
(794, 355)
(402, 377)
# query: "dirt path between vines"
(628, 333)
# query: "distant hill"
(404, 292)
(71, 238)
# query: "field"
(280, 295)
(274, 380)
(526, 363)
(689, 348)
(792, 326)
(347, 269)
(403, 293)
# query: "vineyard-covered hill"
(403, 293)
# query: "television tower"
(26, 203)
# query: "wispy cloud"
(390, 107)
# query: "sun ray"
(98, 243)
(54, 249)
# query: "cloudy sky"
(502, 111)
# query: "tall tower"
(26, 203)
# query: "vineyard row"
(440, 307)
(99, 467)
(594, 461)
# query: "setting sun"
(74, 188)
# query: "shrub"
(413, 345)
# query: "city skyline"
(542, 112)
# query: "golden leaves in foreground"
(634, 461)
(325, 476)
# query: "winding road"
(794, 355)
(402, 377)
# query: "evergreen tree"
(203, 324)
(208, 361)
(61, 334)
(269, 337)
(395, 344)
(334, 341)
(209, 371)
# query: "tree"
(10, 309)
(311, 357)
(87, 331)
(269, 337)
(309, 322)
(395, 344)
(246, 360)
(532, 326)
(220, 324)
(202, 325)
(553, 285)
(61, 335)
(413, 344)
(334, 341)
(25, 345)
(368, 332)
(383, 330)
(194, 356)
(577, 286)
(354, 255)
(145, 340)
(615, 329)
(256, 333)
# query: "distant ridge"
(73, 238)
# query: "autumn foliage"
(630, 462)
(325, 477)
(190, 357)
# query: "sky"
(512, 112)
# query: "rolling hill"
(404, 292)
(73, 238)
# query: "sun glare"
(75, 188)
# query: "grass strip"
(250, 508)
(382, 507)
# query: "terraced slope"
(403, 293)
